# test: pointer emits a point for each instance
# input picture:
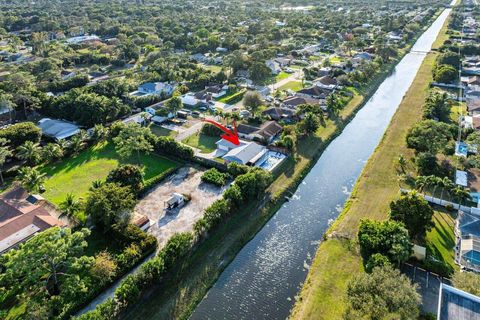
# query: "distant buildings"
(153, 88)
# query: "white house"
(247, 154)
(153, 88)
(57, 129)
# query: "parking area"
(186, 181)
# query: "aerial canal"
(263, 279)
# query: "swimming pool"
(270, 160)
(472, 256)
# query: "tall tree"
(383, 294)
(414, 212)
(5, 153)
(70, 208)
(133, 139)
(31, 179)
(29, 152)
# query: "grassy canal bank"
(337, 259)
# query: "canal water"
(263, 279)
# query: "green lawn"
(75, 175)
(162, 132)
(203, 142)
(282, 75)
(440, 241)
(233, 97)
(213, 68)
(292, 85)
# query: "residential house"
(153, 88)
(57, 129)
(266, 133)
(294, 101)
(221, 50)
(274, 66)
(82, 39)
(283, 62)
(22, 216)
(279, 113)
(66, 74)
(473, 81)
(247, 153)
(314, 92)
(326, 82)
(216, 90)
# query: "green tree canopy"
(383, 294)
(429, 135)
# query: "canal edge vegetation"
(337, 259)
(187, 285)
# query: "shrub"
(215, 177)
(234, 195)
(211, 130)
(236, 169)
(376, 260)
(128, 291)
(168, 146)
(176, 248)
(127, 175)
(18, 133)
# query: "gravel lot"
(185, 181)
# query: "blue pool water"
(472, 256)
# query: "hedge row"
(151, 272)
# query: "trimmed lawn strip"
(372, 194)
(232, 98)
(440, 241)
(75, 175)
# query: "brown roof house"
(276, 113)
(22, 215)
(267, 132)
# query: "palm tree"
(70, 207)
(96, 184)
(435, 182)
(446, 184)
(421, 183)
(31, 179)
(77, 143)
(461, 194)
(100, 132)
(52, 151)
(402, 162)
(30, 152)
(236, 116)
(4, 154)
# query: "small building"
(23, 215)
(216, 90)
(141, 221)
(455, 304)
(274, 66)
(326, 82)
(82, 39)
(57, 129)
(141, 118)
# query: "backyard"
(76, 174)
(201, 141)
(162, 132)
(292, 85)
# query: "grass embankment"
(337, 258)
(183, 290)
(76, 174)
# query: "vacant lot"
(75, 175)
(185, 181)
(292, 85)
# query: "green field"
(336, 261)
(292, 85)
(162, 132)
(440, 241)
(282, 75)
(75, 175)
(233, 97)
(203, 142)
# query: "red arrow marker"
(228, 135)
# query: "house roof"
(461, 178)
(456, 304)
(314, 91)
(278, 113)
(297, 100)
(246, 129)
(270, 129)
(21, 216)
(247, 153)
(327, 80)
(57, 129)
